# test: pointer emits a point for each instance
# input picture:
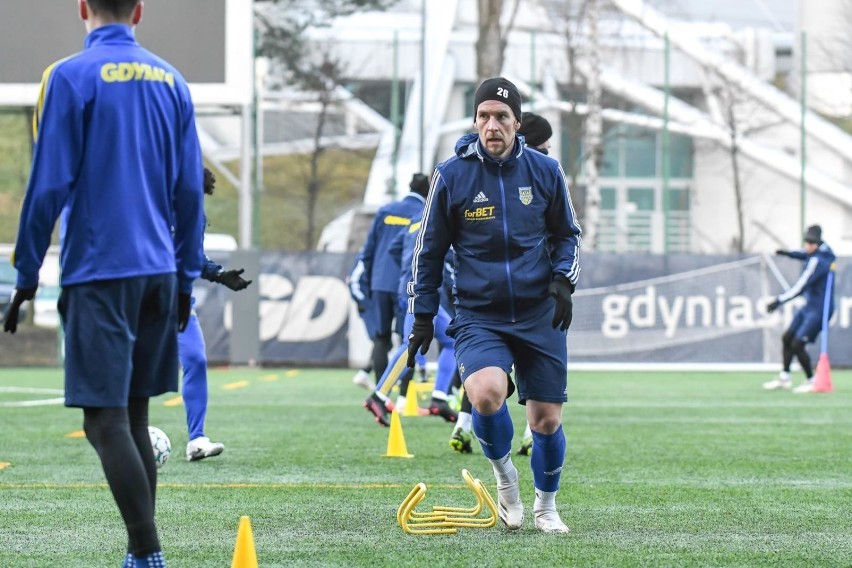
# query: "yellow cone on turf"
(244, 553)
(411, 405)
(396, 439)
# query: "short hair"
(121, 9)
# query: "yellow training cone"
(396, 439)
(244, 553)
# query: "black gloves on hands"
(782, 252)
(10, 320)
(209, 182)
(561, 289)
(420, 337)
(184, 309)
(773, 305)
(232, 279)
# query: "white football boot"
(804, 388)
(362, 379)
(509, 506)
(777, 384)
(201, 448)
(547, 520)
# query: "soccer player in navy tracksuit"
(397, 370)
(507, 213)
(193, 355)
(807, 323)
(116, 144)
(379, 271)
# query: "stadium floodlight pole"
(532, 70)
(394, 109)
(422, 81)
(666, 141)
(803, 132)
(257, 124)
(245, 202)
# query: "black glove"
(362, 307)
(782, 252)
(209, 182)
(232, 279)
(420, 337)
(773, 305)
(184, 309)
(560, 289)
(10, 319)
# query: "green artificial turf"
(662, 469)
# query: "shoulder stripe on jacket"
(574, 272)
(418, 244)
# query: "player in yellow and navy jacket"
(379, 271)
(116, 145)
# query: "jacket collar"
(110, 33)
(468, 146)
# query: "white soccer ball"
(161, 445)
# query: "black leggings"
(793, 346)
(120, 438)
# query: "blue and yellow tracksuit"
(192, 352)
(113, 90)
(379, 271)
(512, 228)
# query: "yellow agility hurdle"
(446, 520)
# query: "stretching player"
(807, 323)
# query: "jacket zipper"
(506, 244)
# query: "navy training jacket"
(380, 270)
(511, 225)
(813, 280)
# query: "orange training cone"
(822, 382)
(244, 553)
(396, 440)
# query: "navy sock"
(495, 432)
(547, 457)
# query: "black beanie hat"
(419, 184)
(535, 128)
(498, 89)
(813, 234)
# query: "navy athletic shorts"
(806, 325)
(388, 316)
(120, 340)
(538, 352)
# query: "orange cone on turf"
(396, 439)
(822, 382)
(244, 553)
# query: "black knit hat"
(498, 89)
(535, 128)
(813, 235)
(419, 184)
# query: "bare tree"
(491, 43)
(283, 24)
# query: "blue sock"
(548, 454)
(495, 432)
(446, 369)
